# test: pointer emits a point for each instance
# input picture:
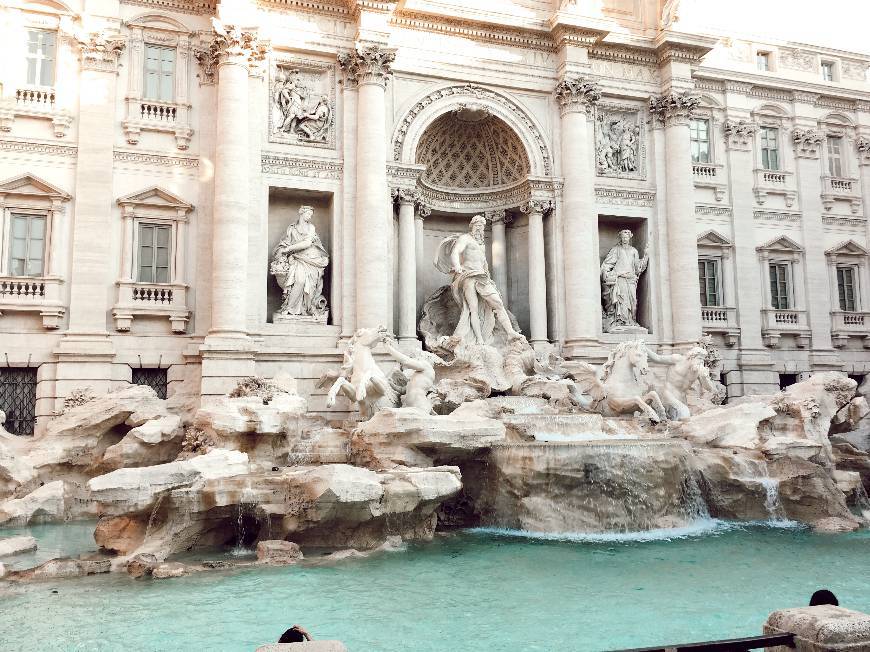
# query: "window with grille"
(154, 241)
(780, 286)
(835, 156)
(699, 130)
(769, 148)
(846, 288)
(828, 70)
(18, 399)
(40, 57)
(708, 275)
(762, 60)
(27, 245)
(159, 73)
(153, 378)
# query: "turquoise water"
(476, 591)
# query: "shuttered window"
(154, 241)
(846, 288)
(159, 73)
(779, 286)
(40, 57)
(708, 276)
(27, 245)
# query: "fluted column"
(498, 220)
(672, 111)
(537, 272)
(576, 98)
(407, 259)
(369, 65)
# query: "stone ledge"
(821, 629)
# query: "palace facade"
(154, 152)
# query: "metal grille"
(154, 378)
(18, 399)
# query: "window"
(159, 73)
(699, 130)
(779, 286)
(769, 148)
(846, 288)
(154, 253)
(835, 156)
(762, 60)
(828, 71)
(40, 57)
(708, 276)
(18, 399)
(27, 251)
(154, 378)
(787, 380)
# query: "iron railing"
(729, 645)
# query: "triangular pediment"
(847, 248)
(31, 186)
(780, 243)
(713, 239)
(155, 197)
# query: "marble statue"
(616, 144)
(464, 257)
(298, 263)
(298, 117)
(619, 275)
(360, 379)
(683, 372)
(420, 372)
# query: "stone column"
(672, 111)
(423, 211)
(407, 259)
(862, 147)
(85, 353)
(576, 98)
(348, 201)
(537, 272)
(369, 65)
(498, 220)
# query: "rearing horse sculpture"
(624, 386)
(360, 379)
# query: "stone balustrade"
(841, 189)
(35, 97)
(704, 170)
(723, 320)
(33, 294)
(151, 299)
(159, 111)
(849, 324)
(774, 182)
(776, 322)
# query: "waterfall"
(862, 502)
(772, 503)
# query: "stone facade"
(153, 156)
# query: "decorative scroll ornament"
(100, 51)
(367, 64)
(406, 195)
(739, 133)
(577, 94)
(862, 144)
(537, 206)
(674, 108)
(230, 44)
(423, 209)
(806, 142)
(494, 217)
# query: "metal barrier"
(730, 645)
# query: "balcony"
(149, 115)
(151, 299)
(849, 324)
(774, 182)
(33, 294)
(708, 175)
(723, 320)
(844, 189)
(35, 102)
(775, 323)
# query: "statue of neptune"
(619, 274)
(464, 257)
(298, 263)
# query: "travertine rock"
(61, 568)
(16, 545)
(154, 442)
(44, 504)
(121, 534)
(733, 484)
(169, 569)
(808, 492)
(821, 629)
(833, 525)
(141, 565)
(278, 552)
(730, 426)
(15, 473)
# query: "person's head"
(306, 213)
(823, 596)
(625, 236)
(477, 227)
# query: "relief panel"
(619, 142)
(302, 103)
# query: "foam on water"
(695, 529)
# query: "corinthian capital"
(367, 64)
(739, 133)
(537, 206)
(406, 195)
(807, 142)
(230, 44)
(100, 51)
(577, 94)
(674, 108)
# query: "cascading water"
(862, 503)
(772, 503)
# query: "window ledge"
(841, 188)
(152, 115)
(775, 323)
(35, 102)
(154, 299)
(709, 175)
(721, 319)
(40, 294)
(846, 324)
(774, 182)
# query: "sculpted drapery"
(298, 263)
(620, 272)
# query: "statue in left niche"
(298, 263)
(299, 116)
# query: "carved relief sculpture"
(620, 272)
(298, 263)
(618, 140)
(299, 112)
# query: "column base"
(587, 349)
(225, 362)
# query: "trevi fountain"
(503, 422)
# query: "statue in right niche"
(620, 272)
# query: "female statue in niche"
(298, 263)
(619, 275)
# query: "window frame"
(767, 57)
(708, 121)
(841, 159)
(788, 280)
(716, 262)
(854, 271)
(145, 73)
(832, 66)
(156, 225)
(38, 67)
(14, 214)
(765, 165)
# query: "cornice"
(197, 7)
(624, 54)
(783, 90)
(333, 8)
(36, 147)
